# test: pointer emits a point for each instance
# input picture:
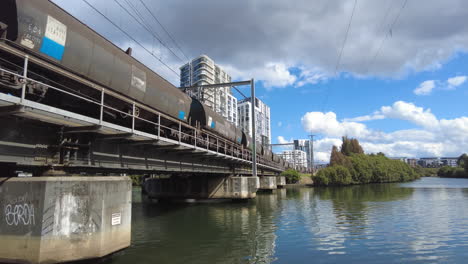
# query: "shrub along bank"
(350, 165)
(461, 171)
(292, 176)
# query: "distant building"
(412, 162)
(432, 162)
(306, 146)
(399, 158)
(202, 71)
(262, 119)
(297, 158)
(446, 161)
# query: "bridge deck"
(168, 154)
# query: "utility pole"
(254, 138)
(250, 82)
(311, 152)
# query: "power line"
(164, 28)
(381, 28)
(341, 53)
(129, 36)
(345, 39)
(145, 26)
(390, 30)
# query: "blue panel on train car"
(182, 115)
(213, 125)
(52, 48)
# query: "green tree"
(356, 147)
(292, 176)
(461, 160)
(350, 146)
(359, 168)
(346, 147)
(336, 157)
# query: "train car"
(47, 31)
(43, 30)
(204, 117)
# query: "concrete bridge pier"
(200, 187)
(267, 183)
(280, 181)
(61, 219)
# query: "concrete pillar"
(201, 187)
(280, 181)
(268, 183)
(59, 219)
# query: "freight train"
(44, 31)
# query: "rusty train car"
(43, 30)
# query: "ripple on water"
(419, 222)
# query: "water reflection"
(211, 232)
(419, 222)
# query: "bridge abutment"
(268, 183)
(201, 187)
(280, 181)
(59, 219)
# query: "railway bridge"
(63, 193)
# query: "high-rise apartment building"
(306, 146)
(262, 118)
(298, 158)
(202, 71)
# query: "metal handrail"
(235, 151)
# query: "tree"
(356, 147)
(359, 168)
(350, 146)
(466, 167)
(346, 146)
(336, 157)
(292, 176)
(461, 160)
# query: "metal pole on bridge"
(252, 101)
(25, 76)
(254, 143)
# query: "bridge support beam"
(201, 187)
(280, 181)
(268, 183)
(61, 219)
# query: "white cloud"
(309, 76)
(456, 81)
(326, 123)
(431, 137)
(282, 140)
(299, 35)
(425, 88)
(375, 116)
(272, 74)
(410, 112)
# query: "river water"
(425, 221)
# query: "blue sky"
(399, 85)
(351, 97)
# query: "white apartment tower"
(295, 157)
(201, 71)
(262, 118)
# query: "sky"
(391, 73)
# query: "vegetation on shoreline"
(292, 176)
(350, 165)
(455, 172)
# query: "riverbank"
(305, 180)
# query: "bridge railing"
(183, 133)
